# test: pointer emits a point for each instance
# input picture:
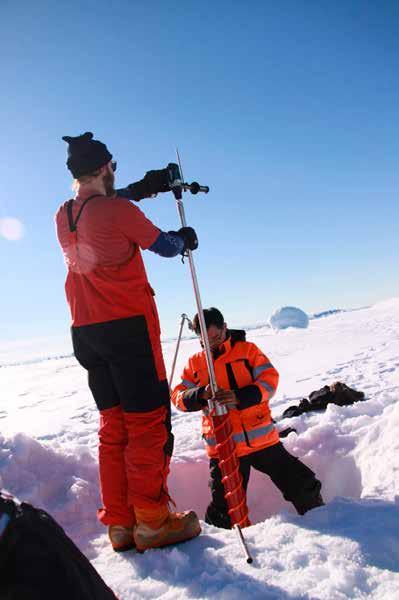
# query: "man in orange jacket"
(247, 381)
(116, 337)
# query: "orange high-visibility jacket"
(240, 366)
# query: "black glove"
(154, 182)
(189, 238)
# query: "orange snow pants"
(127, 378)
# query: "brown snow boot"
(156, 529)
(121, 537)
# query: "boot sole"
(170, 543)
(124, 548)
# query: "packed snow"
(289, 316)
(348, 549)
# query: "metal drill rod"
(213, 406)
(218, 409)
(243, 543)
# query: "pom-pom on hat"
(85, 155)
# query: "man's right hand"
(206, 394)
(189, 238)
(226, 398)
(223, 397)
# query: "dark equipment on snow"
(228, 461)
(337, 393)
(285, 432)
(38, 561)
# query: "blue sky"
(287, 110)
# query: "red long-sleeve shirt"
(106, 277)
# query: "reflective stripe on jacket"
(240, 366)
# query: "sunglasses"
(113, 165)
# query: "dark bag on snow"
(337, 393)
(38, 561)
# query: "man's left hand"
(226, 398)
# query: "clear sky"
(288, 110)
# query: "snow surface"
(289, 316)
(347, 549)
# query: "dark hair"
(212, 316)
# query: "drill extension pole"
(184, 317)
(228, 461)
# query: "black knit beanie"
(85, 155)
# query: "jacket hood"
(237, 335)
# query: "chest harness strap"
(73, 223)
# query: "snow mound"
(66, 485)
(289, 316)
(391, 303)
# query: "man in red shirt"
(116, 337)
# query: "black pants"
(121, 368)
(295, 481)
(135, 436)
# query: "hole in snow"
(339, 474)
